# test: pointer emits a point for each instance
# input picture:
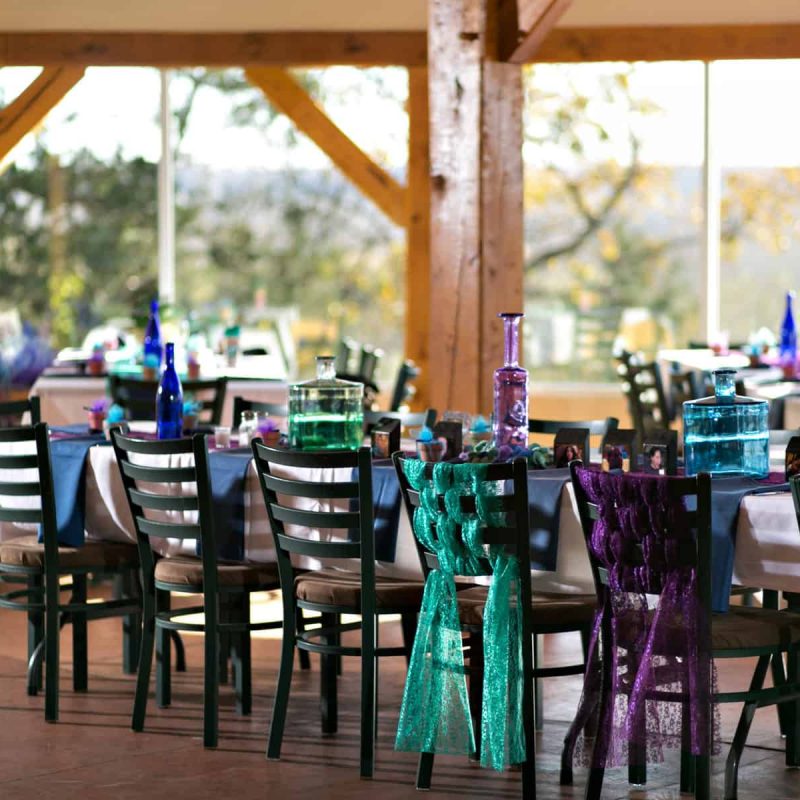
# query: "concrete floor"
(92, 754)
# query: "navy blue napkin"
(228, 470)
(386, 509)
(544, 504)
(68, 462)
(726, 497)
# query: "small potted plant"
(192, 366)
(191, 412)
(150, 367)
(429, 448)
(97, 413)
(269, 432)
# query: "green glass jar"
(326, 413)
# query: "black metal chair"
(403, 389)
(206, 576)
(331, 592)
(138, 397)
(12, 413)
(241, 404)
(472, 600)
(762, 633)
(41, 565)
(642, 385)
(368, 362)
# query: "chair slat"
(315, 549)
(499, 503)
(315, 519)
(29, 489)
(20, 515)
(168, 530)
(159, 474)
(295, 488)
(29, 461)
(163, 502)
(154, 447)
(24, 433)
(320, 459)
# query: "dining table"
(759, 517)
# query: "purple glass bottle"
(511, 390)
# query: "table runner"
(544, 504)
(386, 509)
(228, 470)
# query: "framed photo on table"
(660, 453)
(619, 448)
(571, 444)
(793, 457)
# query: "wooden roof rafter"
(524, 26)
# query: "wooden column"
(476, 200)
(418, 235)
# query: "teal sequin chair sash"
(435, 716)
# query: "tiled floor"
(92, 754)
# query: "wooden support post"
(476, 200)
(418, 238)
(23, 114)
(289, 97)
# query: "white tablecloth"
(63, 400)
(767, 544)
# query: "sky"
(755, 116)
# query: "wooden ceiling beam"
(289, 97)
(24, 113)
(670, 43)
(277, 48)
(535, 21)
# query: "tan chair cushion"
(742, 628)
(548, 609)
(330, 587)
(27, 551)
(185, 571)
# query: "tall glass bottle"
(787, 348)
(511, 390)
(169, 400)
(152, 333)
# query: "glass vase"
(511, 390)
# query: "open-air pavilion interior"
(460, 209)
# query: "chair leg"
(408, 624)
(225, 643)
(35, 635)
(80, 656)
(302, 655)
(585, 711)
(52, 629)
(742, 729)
(180, 652)
(284, 683)
(241, 656)
(772, 599)
(127, 585)
(328, 688)
(211, 673)
(538, 697)
(793, 717)
(424, 771)
(687, 784)
(475, 687)
(368, 696)
(163, 655)
(146, 644)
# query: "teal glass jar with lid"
(326, 413)
(726, 434)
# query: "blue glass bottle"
(787, 348)
(726, 434)
(152, 334)
(169, 400)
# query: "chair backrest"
(241, 404)
(513, 534)
(402, 388)
(160, 493)
(647, 530)
(410, 419)
(368, 362)
(355, 536)
(38, 458)
(647, 403)
(345, 355)
(12, 412)
(138, 397)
